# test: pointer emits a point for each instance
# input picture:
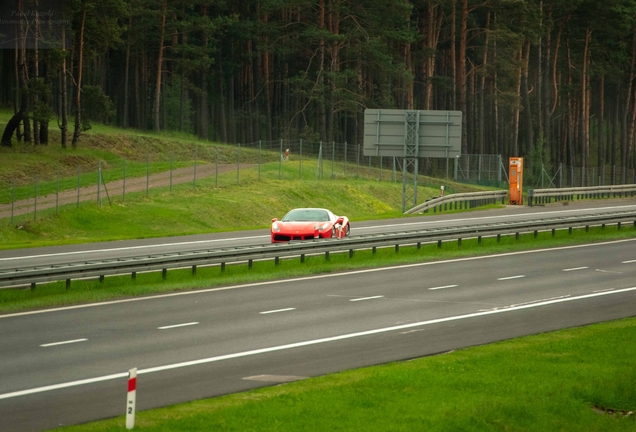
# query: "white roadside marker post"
(132, 398)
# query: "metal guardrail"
(467, 200)
(541, 196)
(163, 262)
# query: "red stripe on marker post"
(132, 398)
(132, 384)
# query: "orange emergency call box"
(516, 180)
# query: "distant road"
(126, 248)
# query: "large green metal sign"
(432, 133)
(410, 135)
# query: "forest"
(551, 80)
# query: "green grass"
(580, 379)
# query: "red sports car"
(308, 224)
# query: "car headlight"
(275, 227)
(323, 227)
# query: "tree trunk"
(482, 90)
(585, 106)
(78, 102)
(453, 55)
(220, 106)
(322, 118)
(126, 74)
(334, 19)
(64, 95)
(525, 99)
(601, 113)
(461, 74)
(157, 104)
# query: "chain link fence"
(111, 181)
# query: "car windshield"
(306, 215)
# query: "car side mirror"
(274, 220)
(340, 221)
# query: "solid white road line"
(177, 325)
(323, 276)
(442, 287)
(511, 277)
(574, 269)
(276, 311)
(366, 298)
(63, 343)
(304, 344)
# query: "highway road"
(69, 365)
(29, 257)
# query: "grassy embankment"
(566, 380)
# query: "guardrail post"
(327, 256)
(249, 263)
(164, 273)
(133, 275)
(302, 258)
(194, 270)
(530, 196)
(68, 284)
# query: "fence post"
(381, 166)
(238, 164)
(345, 159)
(300, 163)
(35, 199)
(333, 158)
(57, 192)
(79, 172)
(259, 159)
(358, 162)
(216, 175)
(12, 201)
(123, 195)
(319, 161)
(147, 174)
(196, 154)
(99, 183)
(394, 174)
(280, 159)
(171, 160)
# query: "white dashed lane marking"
(177, 325)
(277, 310)
(63, 342)
(367, 298)
(442, 287)
(511, 277)
(574, 269)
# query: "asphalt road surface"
(69, 366)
